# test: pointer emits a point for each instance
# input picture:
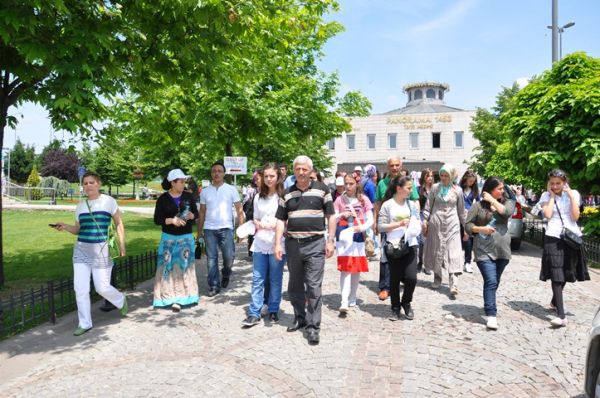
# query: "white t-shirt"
(264, 211)
(103, 203)
(564, 204)
(219, 202)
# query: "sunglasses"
(557, 173)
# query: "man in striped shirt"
(305, 207)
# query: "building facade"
(424, 133)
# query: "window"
(350, 141)
(413, 140)
(430, 93)
(458, 139)
(392, 141)
(370, 141)
(331, 144)
(436, 140)
(410, 95)
(418, 94)
(441, 92)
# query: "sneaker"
(250, 321)
(454, 290)
(224, 282)
(176, 307)
(352, 304)
(426, 271)
(395, 315)
(79, 331)
(264, 310)
(383, 295)
(274, 317)
(343, 308)
(492, 323)
(436, 284)
(212, 292)
(468, 268)
(558, 323)
(125, 308)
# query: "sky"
(475, 46)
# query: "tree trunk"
(3, 122)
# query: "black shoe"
(224, 282)
(298, 324)
(313, 337)
(250, 321)
(212, 292)
(107, 306)
(273, 317)
(395, 315)
(408, 312)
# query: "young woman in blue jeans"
(265, 265)
(487, 220)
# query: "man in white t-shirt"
(215, 226)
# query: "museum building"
(424, 133)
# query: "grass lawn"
(35, 253)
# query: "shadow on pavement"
(531, 308)
(470, 313)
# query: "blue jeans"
(218, 239)
(491, 270)
(266, 266)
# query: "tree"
(33, 181)
(61, 164)
(555, 122)
(22, 159)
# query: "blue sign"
(81, 171)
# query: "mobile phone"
(53, 225)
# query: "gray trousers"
(306, 265)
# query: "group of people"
(428, 227)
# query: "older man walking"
(305, 207)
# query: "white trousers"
(81, 282)
(349, 285)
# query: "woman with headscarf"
(175, 284)
(444, 214)
(368, 186)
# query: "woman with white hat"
(175, 283)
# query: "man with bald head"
(394, 166)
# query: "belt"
(307, 239)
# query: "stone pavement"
(203, 351)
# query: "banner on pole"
(236, 165)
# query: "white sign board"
(236, 165)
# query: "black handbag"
(199, 250)
(570, 238)
(396, 251)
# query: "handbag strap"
(558, 209)
(94, 219)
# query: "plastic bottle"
(492, 224)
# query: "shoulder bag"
(570, 238)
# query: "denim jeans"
(218, 239)
(266, 266)
(491, 270)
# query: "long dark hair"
(489, 185)
(264, 189)
(396, 182)
(463, 183)
(424, 174)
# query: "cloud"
(522, 81)
(450, 17)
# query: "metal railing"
(535, 229)
(26, 309)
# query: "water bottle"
(185, 211)
(492, 224)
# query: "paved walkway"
(203, 351)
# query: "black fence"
(29, 308)
(534, 231)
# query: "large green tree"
(555, 122)
(22, 159)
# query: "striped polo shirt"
(91, 231)
(305, 211)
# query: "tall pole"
(554, 31)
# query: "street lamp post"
(560, 31)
